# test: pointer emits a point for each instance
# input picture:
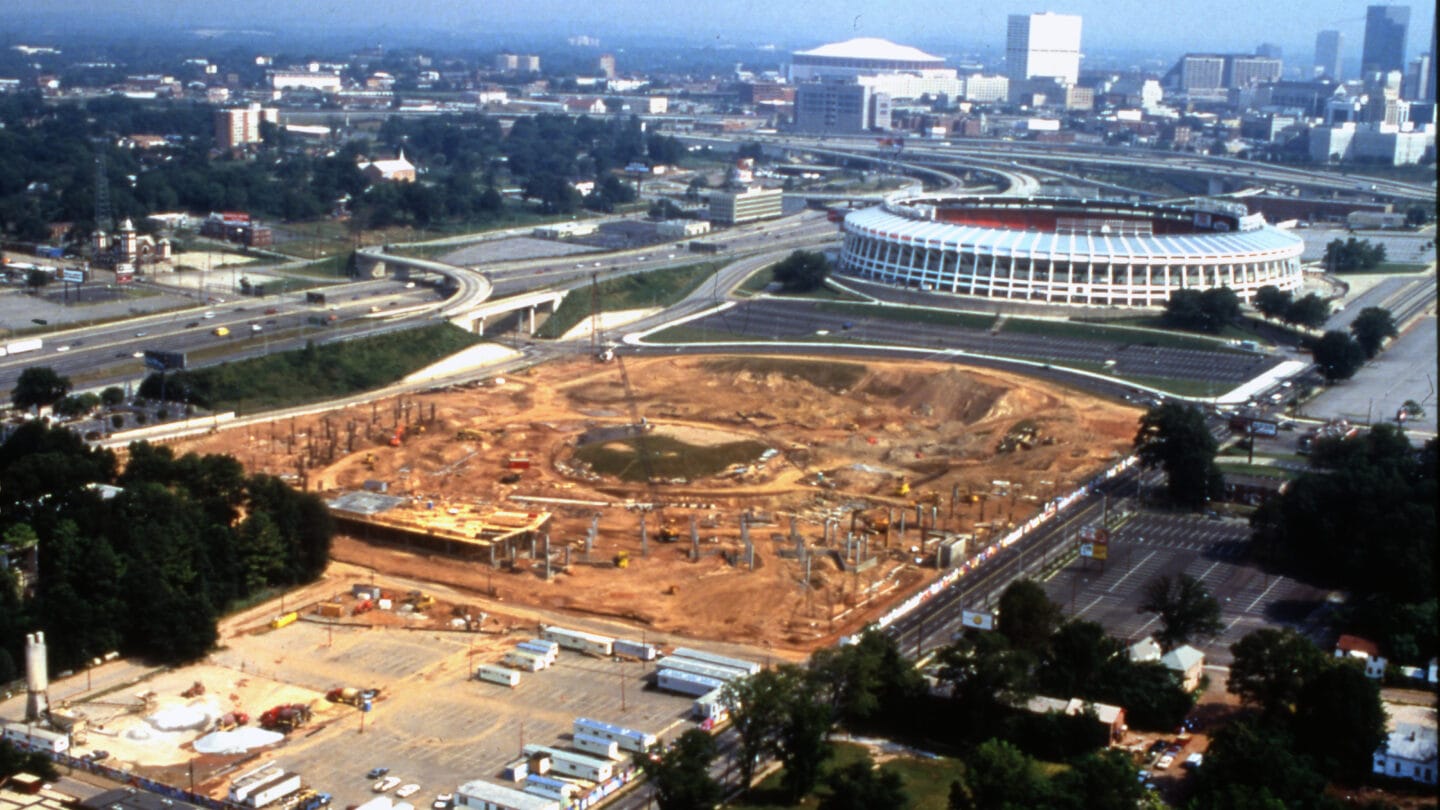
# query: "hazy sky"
(1108, 24)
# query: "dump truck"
(350, 695)
(285, 717)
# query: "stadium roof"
(871, 48)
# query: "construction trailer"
(35, 738)
(570, 763)
(686, 683)
(548, 787)
(501, 675)
(636, 649)
(377, 803)
(579, 640)
(482, 795)
(702, 668)
(248, 782)
(590, 744)
(524, 661)
(274, 790)
(629, 739)
(748, 667)
(548, 650)
(710, 706)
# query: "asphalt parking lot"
(782, 320)
(1150, 545)
(434, 725)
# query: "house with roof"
(1145, 650)
(1111, 717)
(1364, 650)
(1409, 749)
(395, 170)
(1186, 662)
(585, 106)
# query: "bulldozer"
(420, 600)
(369, 461)
(622, 560)
(668, 532)
(903, 488)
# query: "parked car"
(443, 801)
(1193, 761)
(407, 791)
(386, 784)
(1165, 762)
(376, 773)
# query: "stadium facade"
(1068, 251)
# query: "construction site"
(777, 502)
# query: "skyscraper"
(1327, 54)
(1043, 46)
(1385, 29)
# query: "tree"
(803, 740)
(862, 786)
(866, 681)
(112, 396)
(1339, 720)
(1202, 311)
(1270, 668)
(1371, 328)
(681, 775)
(1338, 355)
(1310, 311)
(1027, 616)
(987, 678)
(1253, 765)
(36, 279)
(1353, 254)
(1001, 777)
(1416, 215)
(1104, 780)
(757, 709)
(1175, 437)
(1186, 609)
(39, 386)
(1272, 302)
(802, 271)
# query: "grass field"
(927, 781)
(1109, 334)
(656, 288)
(639, 457)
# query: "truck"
(231, 720)
(351, 696)
(274, 791)
(285, 717)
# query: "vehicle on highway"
(192, 324)
(141, 334)
(220, 331)
(255, 327)
(407, 791)
(137, 355)
(376, 773)
(208, 315)
(62, 348)
(271, 311)
(1193, 761)
(385, 784)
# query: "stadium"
(1068, 251)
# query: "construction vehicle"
(622, 560)
(903, 488)
(285, 717)
(420, 600)
(369, 461)
(363, 606)
(196, 690)
(399, 434)
(668, 532)
(231, 720)
(469, 435)
(351, 696)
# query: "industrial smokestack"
(37, 677)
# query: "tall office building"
(1385, 29)
(1327, 54)
(1043, 46)
(1270, 50)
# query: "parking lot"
(1150, 545)
(791, 320)
(433, 725)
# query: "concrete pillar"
(531, 313)
(547, 557)
(644, 537)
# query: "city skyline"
(1108, 26)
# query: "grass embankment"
(665, 457)
(759, 280)
(927, 781)
(657, 288)
(319, 372)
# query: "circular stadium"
(1068, 251)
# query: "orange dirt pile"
(847, 433)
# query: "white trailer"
(246, 783)
(636, 649)
(524, 661)
(629, 739)
(709, 706)
(377, 803)
(500, 675)
(548, 650)
(34, 738)
(275, 791)
(747, 667)
(579, 640)
(482, 795)
(686, 683)
(701, 668)
(551, 788)
(590, 744)
(21, 346)
(569, 763)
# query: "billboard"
(164, 361)
(1095, 551)
(978, 619)
(72, 275)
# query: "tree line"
(148, 568)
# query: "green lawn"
(657, 288)
(1109, 334)
(927, 781)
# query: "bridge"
(469, 305)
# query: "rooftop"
(871, 48)
(1413, 742)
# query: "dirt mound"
(952, 395)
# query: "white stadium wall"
(1068, 251)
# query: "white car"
(443, 801)
(207, 316)
(386, 784)
(1165, 762)
(407, 791)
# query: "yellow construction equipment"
(622, 560)
(469, 435)
(420, 599)
(903, 488)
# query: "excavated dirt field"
(848, 436)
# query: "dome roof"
(871, 48)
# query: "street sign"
(72, 275)
(157, 360)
